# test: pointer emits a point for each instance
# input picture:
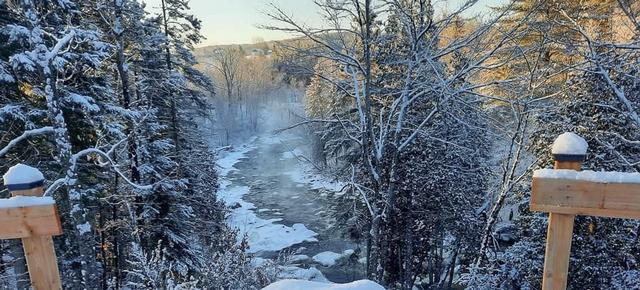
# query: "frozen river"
(282, 204)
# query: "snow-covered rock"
(22, 174)
(298, 258)
(23, 201)
(505, 231)
(329, 259)
(309, 285)
(310, 274)
(570, 144)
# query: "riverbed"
(284, 205)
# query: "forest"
(391, 146)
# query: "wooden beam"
(559, 236)
(40, 252)
(41, 261)
(25, 222)
(558, 249)
(579, 197)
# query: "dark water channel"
(270, 173)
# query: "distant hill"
(248, 48)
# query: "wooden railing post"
(39, 250)
(560, 229)
(564, 192)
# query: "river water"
(282, 204)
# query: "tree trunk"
(84, 242)
(174, 110)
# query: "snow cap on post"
(569, 147)
(23, 177)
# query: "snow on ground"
(292, 272)
(588, 175)
(329, 258)
(308, 285)
(261, 234)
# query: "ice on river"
(227, 160)
(329, 258)
(261, 234)
(284, 176)
(305, 174)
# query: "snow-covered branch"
(25, 135)
(62, 42)
(69, 180)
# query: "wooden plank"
(558, 248)
(39, 250)
(578, 197)
(41, 261)
(24, 222)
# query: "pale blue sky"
(235, 21)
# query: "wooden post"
(564, 192)
(38, 248)
(559, 235)
(569, 151)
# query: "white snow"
(262, 235)
(20, 174)
(298, 258)
(24, 201)
(292, 272)
(5, 76)
(84, 228)
(309, 285)
(588, 175)
(226, 162)
(86, 102)
(329, 258)
(569, 143)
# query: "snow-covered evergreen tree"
(86, 87)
